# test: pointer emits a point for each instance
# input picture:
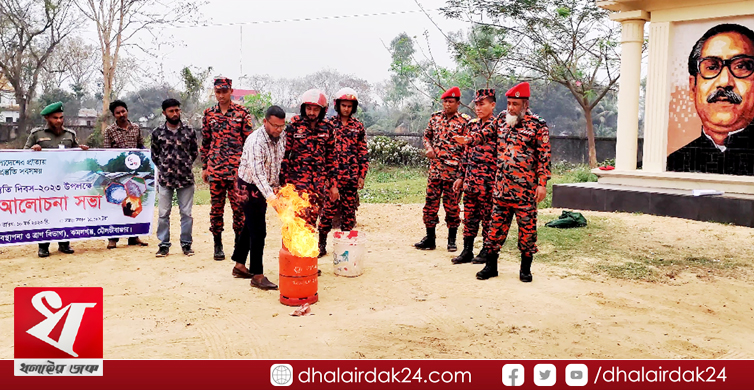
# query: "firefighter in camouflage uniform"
(353, 163)
(445, 167)
(479, 167)
(523, 169)
(309, 161)
(225, 128)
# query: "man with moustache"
(123, 134)
(309, 161)
(721, 74)
(523, 169)
(444, 169)
(174, 149)
(351, 152)
(225, 127)
(479, 167)
(53, 136)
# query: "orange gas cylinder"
(298, 279)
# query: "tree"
(569, 42)
(30, 30)
(192, 101)
(117, 22)
(257, 105)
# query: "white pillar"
(632, 39)
(658, 98)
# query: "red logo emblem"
(58, 322)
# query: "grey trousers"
(185, 197)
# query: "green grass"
(385, 184)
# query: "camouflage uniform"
(523, 164)
(353, 163)
(223, 136)
(309, 162)
(445, 168)
(479, 178)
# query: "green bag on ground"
(567, 220)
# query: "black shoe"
(65, 248)
(490, 268)
(219, 254)
(322, 244)
(524, 274)
(481, 258)
(452, 232)
(44, 251)
(428, 242)
(162, 251)
(468, 252)
(188, 251)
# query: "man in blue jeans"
(174, 149)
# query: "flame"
(298, 237)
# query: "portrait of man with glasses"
(721, 85)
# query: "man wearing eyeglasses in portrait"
(721, 82)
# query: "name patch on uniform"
(44, 139)
(323, 135)
(299, 135)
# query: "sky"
(351, 45)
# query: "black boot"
(44, 250)
(219, 254)
(452, 232)
(468, 251)
(525, 273)
(490, 268)
(428, 242)
(481, 258)
(65, 247)
(322, 244)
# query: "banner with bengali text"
(64, 195)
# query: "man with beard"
(53, 136)
(123, 134)
(225, 127)
(353, 163)
(479, 167)
(444, 168)
(309, 161)
(721, 74)
(174, 149)
(523, 169)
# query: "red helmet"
(346, 94)
(315, 97)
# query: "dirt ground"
(409, 303)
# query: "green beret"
(52, 108)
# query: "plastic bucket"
(348, 253)
(298, 279)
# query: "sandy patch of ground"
(414, 304)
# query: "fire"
(300, 238)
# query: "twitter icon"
(544, 375)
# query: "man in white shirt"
(258, 183)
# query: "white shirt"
(260, 161)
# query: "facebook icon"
(513, 375)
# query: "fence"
(564, 148)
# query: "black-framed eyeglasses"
(741, 66)
(274, 126)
